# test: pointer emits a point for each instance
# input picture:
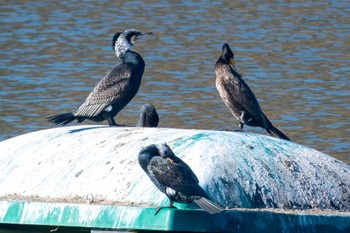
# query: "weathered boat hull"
(59, 170)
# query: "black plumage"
(113, 92)
(238, 97)
(148, 116)
(174, 177)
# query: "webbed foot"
(162, 207)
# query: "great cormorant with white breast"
(238, 97)
(174, 178)
(113, 92)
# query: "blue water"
(295, 56)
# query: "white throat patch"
(121, 46)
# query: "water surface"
(295, 56)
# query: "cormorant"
(148, 116)
(174, 177)
(238, 97)
(113, 92)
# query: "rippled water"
(294, 55)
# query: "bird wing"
(176, 175)
(109, 90)
(242, 94)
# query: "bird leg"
(244, 119)
(240, 126)
(162, 207)
(111, 122)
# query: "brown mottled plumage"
(238, 97)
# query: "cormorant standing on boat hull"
(238, 97)
(116, 89)
(148, 116)
(174, 177)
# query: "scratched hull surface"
(73, 164)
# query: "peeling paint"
(236, 169)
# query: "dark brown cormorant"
(113, 92)
(238, 97)
(148, 116)
(174, 177)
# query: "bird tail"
(208, 205)
(62, 119)
(274, 132)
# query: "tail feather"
(273, 131)
(208, 205)
(62, 119)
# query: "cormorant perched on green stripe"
(174, 177)
(116, 89)
(238, 97)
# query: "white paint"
(69, 163)
(3, 209)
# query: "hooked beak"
(147, 33)
(142, 35)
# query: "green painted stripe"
(139, 218)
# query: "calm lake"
(295, 56)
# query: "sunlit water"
(295, 57)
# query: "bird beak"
(142, 35)
(147, 33)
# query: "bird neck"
(223, 64)
(235, 72)
(132, 57)
(121, 48)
